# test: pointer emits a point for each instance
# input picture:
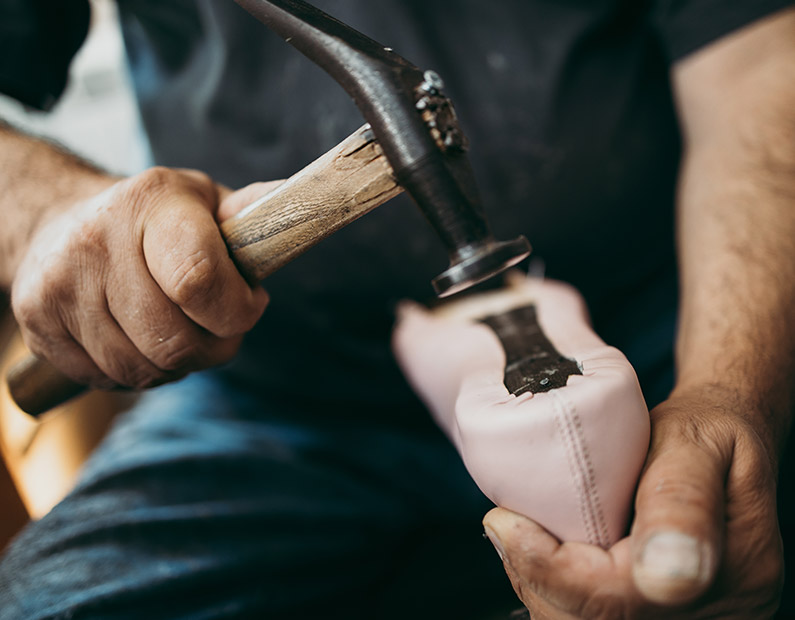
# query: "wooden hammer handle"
(343, 184)
(337, 188)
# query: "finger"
(679, 523)
(572, 578)
(233, 202)
(188, 259)
(46, 335)
(117, 357)
(160, 330)
(223, 193)
(63, 352)
(110, 348)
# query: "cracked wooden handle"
(337, 188)
(340, 186)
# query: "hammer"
(412, 141)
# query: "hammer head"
(417, 129)
(443, 185)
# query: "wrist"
(38, 181)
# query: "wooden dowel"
(337, 188)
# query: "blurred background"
(96, 118)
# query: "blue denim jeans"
(199, 505)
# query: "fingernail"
(494, 541)
(671, 564)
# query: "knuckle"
(57, 289)
(194, 280)
(89, 238)
(685, 493)
(752, 465)
(39, 313)
(28, 312)
(177, 352)
(144, 189)
(200, 180)
(159, 180)
(709, 433)
(155, 178)
(201, 176)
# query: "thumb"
(676, 536)
(233, 202)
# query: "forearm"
(37, 179)
(737, 245)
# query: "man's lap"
(195, 506)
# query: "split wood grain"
(348, 181)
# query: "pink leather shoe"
(566, 444)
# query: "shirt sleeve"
(38, 39)
(686, 25)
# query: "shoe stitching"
(593, 486)
(587, 488)
(575, 467)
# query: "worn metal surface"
(405, 107)
(532, 364)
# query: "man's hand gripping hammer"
(412, 142)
